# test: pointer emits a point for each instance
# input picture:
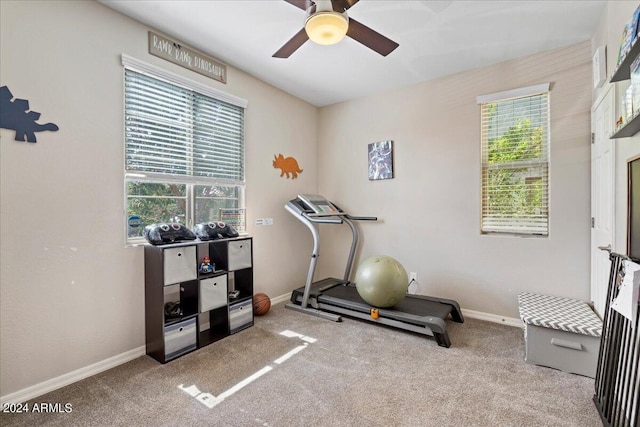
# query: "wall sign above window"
(173, 51)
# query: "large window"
(184, 151)
(515, 161)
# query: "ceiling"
(436, 38)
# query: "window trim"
(513, 93)
(160, 73)
(191, 182)
(539, 89)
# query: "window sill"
(506, 234)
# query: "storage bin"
(180, 338)
(239, 252)
(567, 351)
(240, 316)
(560, 333)
(213, 293)
(180, 264)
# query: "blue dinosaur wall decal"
(15, 115)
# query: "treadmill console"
(319, 205)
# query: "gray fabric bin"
(560, 333)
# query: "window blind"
(515, 165)
(172, 131)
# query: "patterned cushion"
(559, 313)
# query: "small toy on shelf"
(172, 310)
(206, 266)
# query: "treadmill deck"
(413, 309)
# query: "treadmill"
(330, 298)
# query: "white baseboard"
(510, 321)
(472, 314)
(82, 373)
(281, 298)
(72, 377)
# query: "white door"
(602, 196)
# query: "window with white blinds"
(515, 161)
(173, 131)
(184, 150)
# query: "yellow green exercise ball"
(381, 281)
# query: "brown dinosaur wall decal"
(15, 115)
(287, 165)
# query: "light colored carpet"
(354, 374)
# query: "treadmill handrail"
(362, 218)
(323, 214)
(322, 219)
(312, 216)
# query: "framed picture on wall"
(633, 210)
(380, 160)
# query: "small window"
(184, 152)
(515, 161)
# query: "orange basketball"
(261, 304)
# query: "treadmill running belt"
(412, 308)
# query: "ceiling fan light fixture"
(326, 28)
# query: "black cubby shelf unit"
(187, 309)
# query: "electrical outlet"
(413, 276)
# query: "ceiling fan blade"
(370, 38)
(342, 5)
(302, 4)
(292, 45)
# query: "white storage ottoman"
(560, 333)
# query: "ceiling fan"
(327, 23)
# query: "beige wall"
(71, 294)
(430, 212)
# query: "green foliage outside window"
(154, 203)
(166, 202)
(516, 191)
(515, 152)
